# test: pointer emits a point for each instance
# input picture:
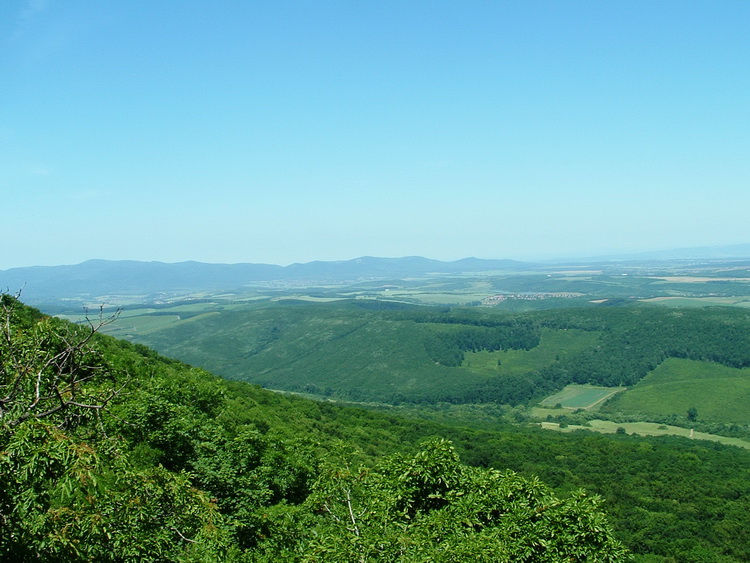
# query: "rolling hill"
(368, 351)
(149, 279)
(188, 466)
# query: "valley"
(422, 340)
(591, 377)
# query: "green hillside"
(331, 349)
(369, 351)
(110, 453)
(719, 394)
(180, 465)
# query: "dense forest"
(109, 451)
(389, 352)
(633, 341)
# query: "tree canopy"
(108, 452)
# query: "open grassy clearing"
(202, 307)
(309, 298)
(142, 324)
(145, 324)
(149, 319)
(698, 279)
(698, 301)
(646, 429)
(433, 297)
(586, 397)
(719, 393)
(554, 345)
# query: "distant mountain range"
(127, 277)
(96, 278)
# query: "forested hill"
(375, 351)
(111, 452)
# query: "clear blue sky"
(276, 131)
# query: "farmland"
(645, 429)
(552, 410)
(720, 394)
(585, 397)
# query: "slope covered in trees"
(180, 465)
(353, 351)
(165, 466)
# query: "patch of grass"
(719, 393)
(142, 324)
(145, 321)
(586, 397)
(698, 301)
(646, 429)
(553, 346)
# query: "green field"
(586, 397)
(646, 429)
(719, 393)
(554, 345)
(742, 301)
(144, 320)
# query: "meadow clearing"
(587, 397)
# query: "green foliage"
(430, 507)
(63, 499)
(183, 466)
(49, 369)
(669, 497)
(426, 355)
(187, 477)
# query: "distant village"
(529, 296)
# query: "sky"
(289, 131)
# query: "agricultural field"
(741, 301)
(681, 397)
(587, 397)
(132, 321)
(719, 393)
(645, 429)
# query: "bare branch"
(50, 368)
(179, 534)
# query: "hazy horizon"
(728, 252)
(287, 132)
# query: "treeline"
(471, 332)
(447, 348)
(633, 341)
(637, 339)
